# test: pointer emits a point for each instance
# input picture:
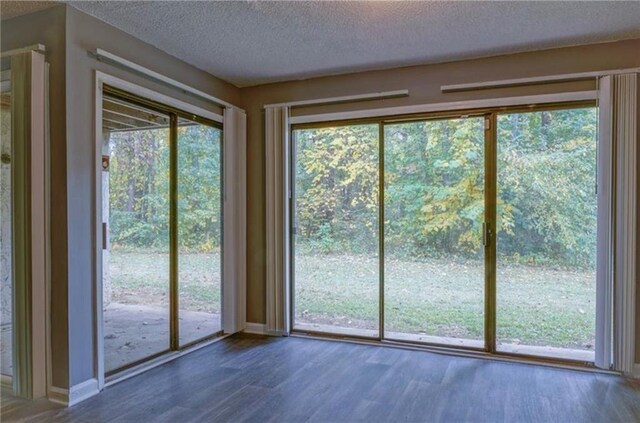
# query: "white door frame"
(101, 79)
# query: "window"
(162, 214)
(336, 263)
(547, 222)
(473, 230)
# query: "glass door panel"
(546, 243)
(336, 242)
(434, 210)
(136, 213)
(199, 231)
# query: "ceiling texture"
(11, 9)
(257, 42)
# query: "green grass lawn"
(144, 277)
(536, 305)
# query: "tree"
(139, 188)
(434, 187)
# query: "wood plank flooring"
(259, 379)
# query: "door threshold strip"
(159, 361)
(459, 352)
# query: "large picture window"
(473, 230)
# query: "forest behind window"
(541, 215)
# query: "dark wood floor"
(252, 378)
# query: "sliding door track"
(468, 352)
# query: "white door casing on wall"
(277, 219)
(27, 274)
(235, 212)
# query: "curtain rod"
(36, 47)
(505, 83)
(343, 99)
(105, 56)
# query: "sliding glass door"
(162, 214)
(547, 221)
(473, 231)
(199, 231)
(336, 267)
(135, 285)
(434, 213)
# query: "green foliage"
(434, 198)
(337, 188)
(139, 189)
(547, 173)
(199, 188)
(434, 188)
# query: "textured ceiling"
(250, 43)
(10, 9)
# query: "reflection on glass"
(6, 240)
(336, 218)
(199, 231)
(136, 209)
(547, 233)
(434, 209)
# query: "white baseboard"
(256, 328)
(77, 393)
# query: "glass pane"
(547, 233)
(336, 243)
(434, 209)
(199, 230)
(136, 207)
(6, 240)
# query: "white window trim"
(448, 106)
(104, 78)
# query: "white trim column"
(29, 223)
(278, 193)
(605, 241)
(234, 296)
(615, 323)
(625, 137)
